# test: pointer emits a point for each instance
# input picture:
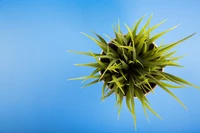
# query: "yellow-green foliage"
(133, 66)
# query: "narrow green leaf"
(169, 46)
(128, 98)
(103, 90)
(106, 56)
(160, 73)
(115, 43)
(157, 25)
(100, 44)
(100, 38)
(167, 90)
(93, 64)
(132, 93)
(110, 92)
(159, 54)
(132, 41)
(116, 66)
(141, 33)
(108, 67)
(137, 61)
(146, 105)
(136, 27)
(140, 96)
(116, 80)
(93, 73)
(99, 62)
(118, 84)
(151, 52)
(84, 53)
(161, 63)
(145, 48)
(120, 103)
(123, 74)
(125, 66)
(127, 47)
(180, 80)
(159, 35)
(91, 83)
(88, 77)
(172, 86)
(140, 46)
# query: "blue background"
(35, 96)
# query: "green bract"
(131, 65)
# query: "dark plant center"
(131, 67)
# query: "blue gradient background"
(34, 94)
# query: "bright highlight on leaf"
(131, 65)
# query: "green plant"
(132, 65)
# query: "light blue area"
(34, 94)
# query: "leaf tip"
(70, 79)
